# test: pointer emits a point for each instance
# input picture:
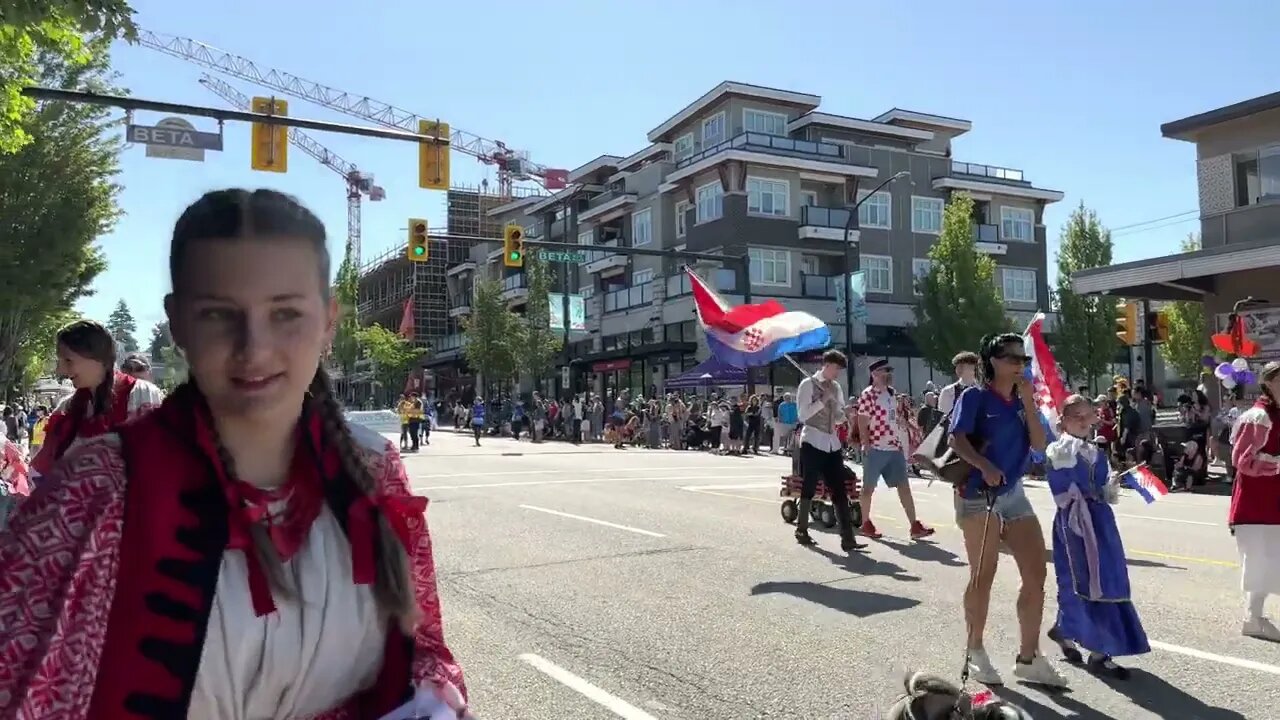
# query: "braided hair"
(93, 341)
(266, 214)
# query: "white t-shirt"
(947, 398)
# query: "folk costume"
(74, 421)
(14, 478)
(1255, 510)
(133, 589)
(1095, 609)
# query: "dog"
(931, 697)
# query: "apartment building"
(749, 170)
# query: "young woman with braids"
(994, 427)
(241, 552)
(1255, 502)
(104, 397)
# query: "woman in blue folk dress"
(1095, 612)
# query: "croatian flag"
(1042, 371)
(754, 335)
(1150, 487)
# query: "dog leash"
(973, 581)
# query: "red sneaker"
(868, 529)
(919, 531)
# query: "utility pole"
(1148, 347)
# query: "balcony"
(772, 145)
(608, 206)
(819, 286)
(468, 266)
(515, 288)
(606, 264)
(722, 280)
(823, 223)
(625, 298)
(460, 304)
(987, 238)
(987, 172)
(992, 180)
(449, 343)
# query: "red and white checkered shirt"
(881, 412)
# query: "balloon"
(1208, 361)
(1223, 371)
(1228, 382)
(1240, 364)
(1246, 378)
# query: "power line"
(1141, 230)
(1156, 220)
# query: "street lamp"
(850, 225)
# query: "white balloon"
(1240, 364)
(1228, 383)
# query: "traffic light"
(433, 157)
(513, 246)
(1158, 326)
(1127, 323)
(419, 249)
(270, 150)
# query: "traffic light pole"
(1148, 348)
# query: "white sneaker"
(981, 670)
(1261, 628)
(1039, 672)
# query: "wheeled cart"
(822, 511)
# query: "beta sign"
(174, 138)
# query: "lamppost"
(850, 263)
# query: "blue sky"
(1073, 93)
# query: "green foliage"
(346, 344)
(1084, 340)
(537, 343)
(160, 339)
(122, 326)
(175, 366)
(30, 29)
(392, 355)
(37, 351)
(57, 196)
(490, 337)
(959, 302)
(1188, 331)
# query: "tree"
(122, 326)
(37, 351)
(959, 303)
(1084, 341)
(537, 343)
(346, 345)
(1186, 344)
(392, 355)
(175, 366)
(32, 28)
(57, 196)
(160, 339)
(489, 339)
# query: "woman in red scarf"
(1255, 503)
(240, 552)
(104, 397)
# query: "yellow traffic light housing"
(513, 246)
(419, 249)
(270, 151)
(433, 155)
(1158, 326)
(1127, 323)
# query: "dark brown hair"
(92, 340)
(1269, 373)
(267, 214)
(966, 358)
(835, 357)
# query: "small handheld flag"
(1145, 482)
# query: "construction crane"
(359, 184)
(512, 165)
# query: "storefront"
(639, 369)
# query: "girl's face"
(252, 320)
(1274, 385)
(84, 373)
(1010, 360)
(1078, 420)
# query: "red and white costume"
(132, 588)
(73, 421)
(1255, 497)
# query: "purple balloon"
(1224, 371)
(1208, 361)
(1246, 377)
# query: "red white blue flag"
(1146, 483)
(754, 335)
(1042, 371)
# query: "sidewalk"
(509, 446)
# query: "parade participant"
(1095, 609)
(242, 552)
(965, 365)
(883, 455)
(1255, 502)
(477, 419)
(818, 402)
(104, 397)
(136, 365)
(14, 478)
(994, 429)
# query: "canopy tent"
(708, 372)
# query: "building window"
(919, 271)
(713, 130)
(926, 215)
(640, 277)
(876, 212)
(770, 267)
(1017, 224)
(879, 271)
(1019, 285)
(682, 212)
(587, 237)
(710, 198)
(682, 147)
(642, 227)
(587, 291)
(769, 123)
(768, 197)
(809, 197)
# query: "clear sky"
(1071, 92)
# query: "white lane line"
(748, 486)
(1173, 520)
(610, 702)
(571, 481)
(731, 495)
(583, 518)
(503, 473)
(1214, 657)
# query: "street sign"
(174, 139)
(564, 256)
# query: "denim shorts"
(887, 465)
(1013, 505)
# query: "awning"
(708, 372)
(1183, 276)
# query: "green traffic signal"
(419, 250)
(515, 255)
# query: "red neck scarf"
(65, 426)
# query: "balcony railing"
(629, 297)
(986, 233)
(986, 171)
(723, 280)
(449, 342)
(514, 282)
(817, 216)
(819, 286)
(759, 142)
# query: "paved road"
(595, 583)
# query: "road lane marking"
(1214, 657)
(1173, 520)
(730, 495)
(503, 473)
(748, 486)
(584, 518)
(571, 481)
(1183, 558)
(604, 699)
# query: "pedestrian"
(883, 455)
(477, 419)
(994, 428)
(136, 365)
(1254, 517)
(15, 482)
(786, 424)
(1095, 606)
(965, 366)
(818, 402)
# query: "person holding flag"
(1255, 502)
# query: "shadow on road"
(1131, 562)
(858, 603)
(925, 551)
(864, 564)
(1145, 690)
